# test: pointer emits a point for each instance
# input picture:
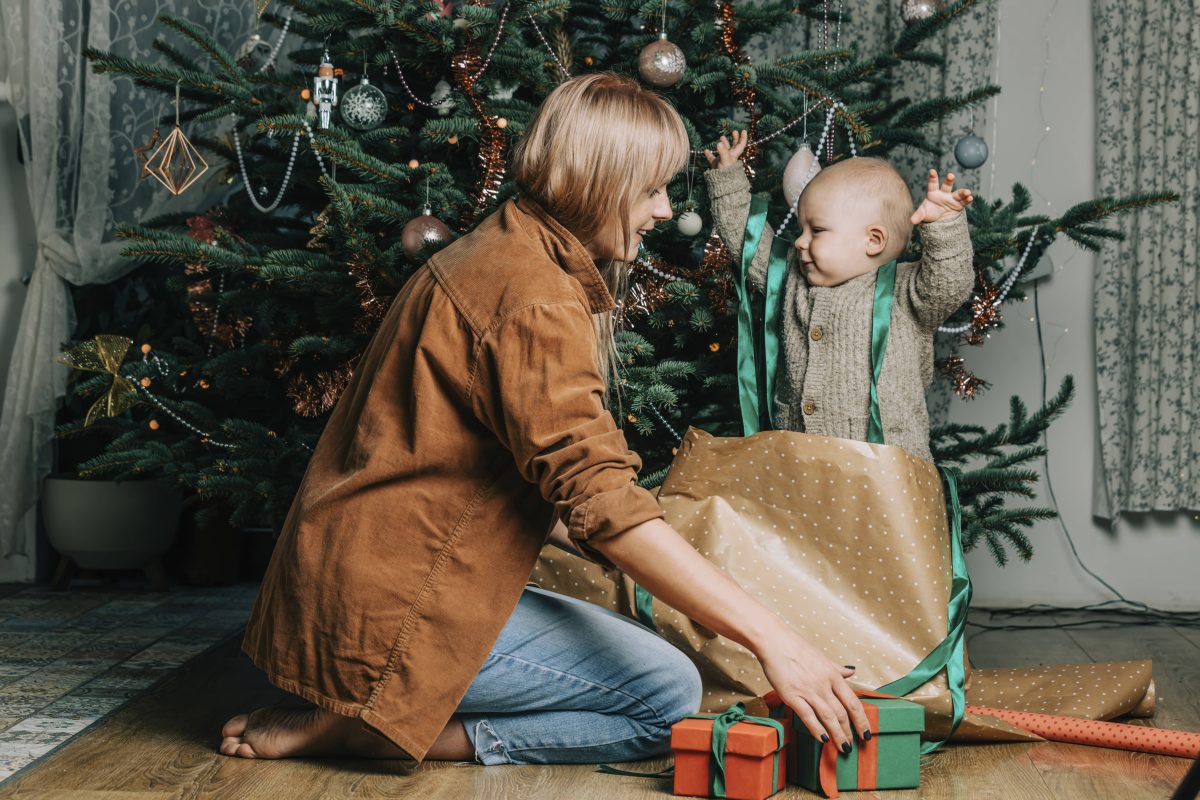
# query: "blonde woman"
(475, 428)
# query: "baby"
(855, 216)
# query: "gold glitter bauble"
(662, 63)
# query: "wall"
(1152, 558)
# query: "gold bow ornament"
(104, 353)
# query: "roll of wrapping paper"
(1139, 738)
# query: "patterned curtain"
(1147, 303)
(78, 133)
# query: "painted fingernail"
(846, 748)
(866, 735)
(824, 738)
(849, 666)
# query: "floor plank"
(162, 745)
(1191, 634)
(1023, 648)
(1176, 667)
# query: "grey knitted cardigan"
(823, 383)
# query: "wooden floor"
(161, 746)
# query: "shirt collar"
(562, 246)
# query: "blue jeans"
(569, 682)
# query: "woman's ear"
(877, 239)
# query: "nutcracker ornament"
(325, 92)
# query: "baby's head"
(854, 218)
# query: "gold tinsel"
(312, 397)
(985, 314)
(492, 145)
(746, 95)
(207, 228)
(966, 384)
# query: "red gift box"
(745, 763)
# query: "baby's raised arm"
(729, 190)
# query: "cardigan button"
(810, 407)
(816, 334)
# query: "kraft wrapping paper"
(848, 542)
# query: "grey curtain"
(78, 131)
(1147, 301)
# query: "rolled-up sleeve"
(538, 388)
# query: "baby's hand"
(726, 153)
(941, 201)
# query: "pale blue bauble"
(970, 152)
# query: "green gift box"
(897, 752)
(890, 760)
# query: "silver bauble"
(662, 63)
(253, 53)
(422, 236)
(971, 152)
(363, 107)
(800, 169)
(916, 10)
(689, 223)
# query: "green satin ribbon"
(881, 324)
(720, 734)
(949, 654)
(760, 347)
(758, 330)
(643, 604)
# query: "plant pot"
(110, 524)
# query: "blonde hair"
(877, 179)
(595, 144)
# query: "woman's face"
(648, 209)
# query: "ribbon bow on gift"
(104, 354)
(720, 732)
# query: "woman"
(475, 428)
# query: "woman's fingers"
(853, 707)
(948, 184)
(807, 716)
(931, 185)
(833, 718)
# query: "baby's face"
(835, 238)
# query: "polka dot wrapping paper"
(1140, 738)
(848, 542)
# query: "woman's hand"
(815, 688)
(658, 558)
(727, 154)
(941, 201)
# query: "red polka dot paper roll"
(1140, 738)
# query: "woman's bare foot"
(306, 731)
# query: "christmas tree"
(367, 133)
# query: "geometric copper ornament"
(176, 163)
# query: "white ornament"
(689, 223)
(363, 107)
(800, 169)
(440, 98)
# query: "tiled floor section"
(68, 659)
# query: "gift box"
(890, 759)
(729, 755)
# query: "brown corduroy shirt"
(473, 421)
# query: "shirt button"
(816, 333)
(810, 407)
